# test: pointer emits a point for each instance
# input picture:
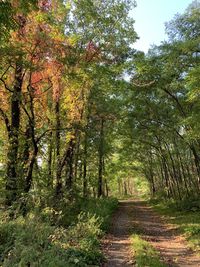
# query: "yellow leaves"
(39, 17)
(68, 5)
(69, 136)
(75, 97)
(73, 39)
(57, 36)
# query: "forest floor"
(135, 217)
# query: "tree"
(164, 128)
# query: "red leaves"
(45, 5)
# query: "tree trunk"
(50, 151)
(33, 154)
(85, 166)
(69, 160)
(12, 156)
(76, 156)
(125, 188)
(57, 142)
(101, 154)
(106, 188)
(197, 163)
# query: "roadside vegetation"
(67, 235)
(185, 216)
(144, 254)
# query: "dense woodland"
(83, 115)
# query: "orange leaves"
(56, 81)
(53, 69)
(36, 78)
(38, 81)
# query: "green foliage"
(41, 240)
(162, 115)
(144, 253)
(103, 208)
(65, 212)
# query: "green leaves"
(163, 108)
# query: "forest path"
(134, 214)
(117, 245)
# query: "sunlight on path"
(118, 243)
(164, 238)
(172, 247)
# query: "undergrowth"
(144, 253)
(61, 235)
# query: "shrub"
(41, 240)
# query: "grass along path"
(144, 253)
(153, 241)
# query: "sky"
(150, 16)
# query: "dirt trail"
(137, 214)
(117, 243)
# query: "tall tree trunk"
(57, 142)
(34, 152)
(29, 175)
(168, 181)
(181, 167)
(85, 165)
(151, 175)
(197, 162)
(178, 180)
(125, 188)
(69, 162)
(76, 156)
(26, 149)
(119, 187)
(50, 152)
(12, 156)
(101, 155)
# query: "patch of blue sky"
(150, 17)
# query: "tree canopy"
(83, 115)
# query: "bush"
(41, 240)
(144, 253)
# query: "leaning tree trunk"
(34, 142)
(197, 162)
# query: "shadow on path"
(117, 243)
(164, 237)
(136, 216)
